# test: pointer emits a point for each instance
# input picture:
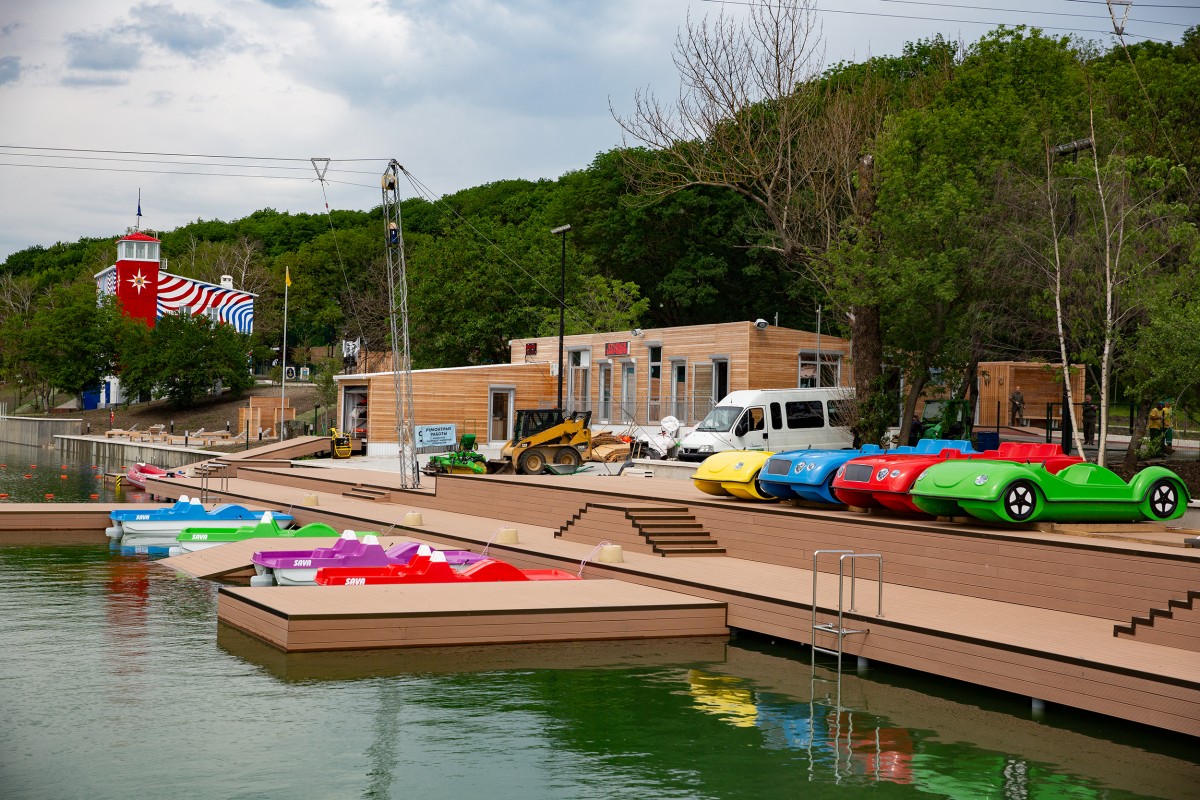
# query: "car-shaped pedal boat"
(299, 567)
(733, 473)
(201, 537)
(434, 568)
(160, 527)
(1000, 491)
(808, 474)
(884, 481)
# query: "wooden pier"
(1109, 625)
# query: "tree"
(183, 358)
(756, 116)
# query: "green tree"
(183, 358)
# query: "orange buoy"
(94, 496)
(28, 476)
(64, 466)
(49, 496)
(3, 494)
(33, 466)
(64, 477)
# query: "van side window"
(839, 412)
(755, 419)
(776, 416)
(805, 414)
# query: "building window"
(579, 381)
(831, 370)
(679, 404)
(654, 384)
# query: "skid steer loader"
(544, 438)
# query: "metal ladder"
(219, 467)
(839, 629)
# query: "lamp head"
(560, 229)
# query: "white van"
(775, 420)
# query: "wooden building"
(626, 379)
(1040, 383)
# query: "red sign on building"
(616, 348)
(531, 348)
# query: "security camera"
(761, 324)
(636, 331)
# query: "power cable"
(175, 172)
(160, 161)
(928, 19)
(172, 155)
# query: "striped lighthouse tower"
(137, 276)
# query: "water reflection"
(664, 718)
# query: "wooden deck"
(299, 618)
(1107, 625)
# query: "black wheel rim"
(1020, 501)
(1164, 499)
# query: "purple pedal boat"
(299, 567)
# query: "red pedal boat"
(435, 569)
(139, 472)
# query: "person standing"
(1016, 408)
(1089, 420)
(1154, 426)
(1168, 427)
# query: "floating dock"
(300, 618)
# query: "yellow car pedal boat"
(733, 473)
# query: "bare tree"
(754, 116)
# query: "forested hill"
(923, 196)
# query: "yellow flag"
(287, 275)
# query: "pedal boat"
(161, 527)
(733, 473)
(299, 567)
(434, 568)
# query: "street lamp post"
(562, 307)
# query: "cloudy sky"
(461, 92)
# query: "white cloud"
(462, 92)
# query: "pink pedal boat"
(435, 569)
(299, 567)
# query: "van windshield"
(720, 419)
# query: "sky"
(238, 95)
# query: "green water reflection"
(119, 682)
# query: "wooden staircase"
(1177, 625)
(360, 492)
(660, 529)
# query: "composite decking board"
(753, 589)
(526, 617)
(320, 602)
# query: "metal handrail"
(219, 467)
(840, 630)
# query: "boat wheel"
(1020, 501)
(1164, 499)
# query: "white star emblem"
(138, 281)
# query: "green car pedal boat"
(1001, 491)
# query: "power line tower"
(397, 275)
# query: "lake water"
(117, 681)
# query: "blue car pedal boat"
(807, 474)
